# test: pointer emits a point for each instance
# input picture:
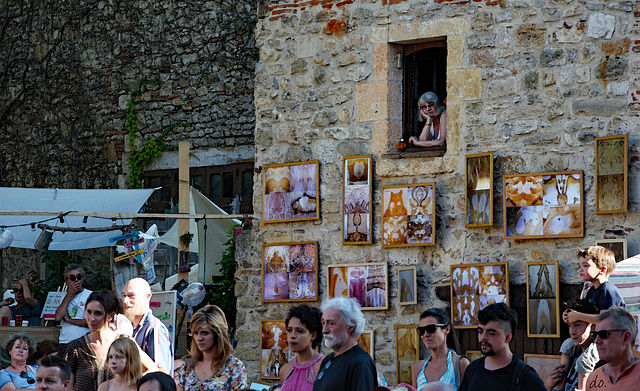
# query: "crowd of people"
(119, 345)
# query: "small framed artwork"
(407, 283)
(475, 286)
(365, 340)
(479, 190)
(274, 349)
(290, 192)
(290, 272)
(409, 215)
(618, 246)
(545, 205)
(366, 282)
(473, 355)
(407, 352)
(611, 174)
(636, 346)
(543, 307)
(357, 200)
(258, 385)
(542, 363)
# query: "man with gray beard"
(348, 367)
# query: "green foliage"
(186, 239)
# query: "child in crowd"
(124, 362)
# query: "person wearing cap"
(20, 301)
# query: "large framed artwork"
(274, 349)
(356, 200)
(290, 272)
(542, 363)
(290, 192)
(543, 307)
(475, 286)
(365, 340)
(366, 282)
(618, 246)
(407, 352)
(479, 190)
(544, 205)
(611, 174)
(408, 218)
(407, 283)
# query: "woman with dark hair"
(19, 374)
(434, 132)
(445, 364)
(304, 334)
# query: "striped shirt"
(153, 338)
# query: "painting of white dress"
(543, 311)
(407, 285)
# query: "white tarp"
(65, 200)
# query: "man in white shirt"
(71, 311)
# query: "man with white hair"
(348, 367)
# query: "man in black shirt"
(349, 367)
(499, 369)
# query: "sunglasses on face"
(24, 375)
(74, 277)
(16, 290)
(430, 328)
(604, 334)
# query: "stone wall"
(532, 81)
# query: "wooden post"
(183, 203)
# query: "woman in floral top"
(210, 365)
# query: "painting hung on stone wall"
(290, 192)
(408, 218)
(544, 205)
(365, 340)
(611, 174)
(274, 349)
(618, 246)
(290, 272)
(356, 197)
(407, 282)
(479, 190)
(475, 286)
(365, 282)
(543, 308)
(407, 352)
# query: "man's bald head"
(136, 295)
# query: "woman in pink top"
(304, 334)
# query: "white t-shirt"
(75, 309)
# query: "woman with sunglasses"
(445, 364)
(27, 307)
(19, 374)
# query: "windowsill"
(415, 152)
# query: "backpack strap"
(516, 380)
(456, 370)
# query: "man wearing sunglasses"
(615, 337)
(70, 313)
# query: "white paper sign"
(51, 305)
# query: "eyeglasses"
(15, 290)
(74, 277)
(430, 328)
(24, 375)
(326, 366)
(604, 334)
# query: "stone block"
(552, 57)
(525, 126)
(530, 35)
(371, 101)
(618, 88)
(564, 34)
(620, 46)
(482, 58)
(500, 88)
(479, 41)
(600, 25)
(600, 107)
(464, 84)
(434, 28)
(612, 67)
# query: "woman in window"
(434, 131)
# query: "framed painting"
(618, 246)
(542, 363)
(366, 282)
(543, 306)
(290, 272)
(475, 286)
(365, 340)
(407, 352)
(407, 283)
(478, 201)
(290, 192)
(544, 205)
(611, 174)
(409, 215)
(357, 200)
(259, 386)
(274, 349)
(473, 355)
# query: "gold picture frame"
(409, 215)
(611, 174)
(357, 200)
(274, 348)
(473, 355)
(290, 272)
(407, 285)
(368, 283)
(478, 200)
(618, 246)
(542, 363)
(407, 351)
(475, 286)
(543, 205)
(543, 300)
(291, 192)
(365, 340)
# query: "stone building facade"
(533, 81)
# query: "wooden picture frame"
(611, 179)
(365, 340)
(475, 286)
(542, 363)
(274, 348)
(259, 386)
(291, 192)
(407, 351)
(357, 200)
(473, 355)
(543, 300)
(368, 283)
(618, 246)
(543, 205)
(409, 215)
(478, 200)
(290, 272)
(407, 285)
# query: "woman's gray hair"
(430, 97)
(351, 313)
(11, 341)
